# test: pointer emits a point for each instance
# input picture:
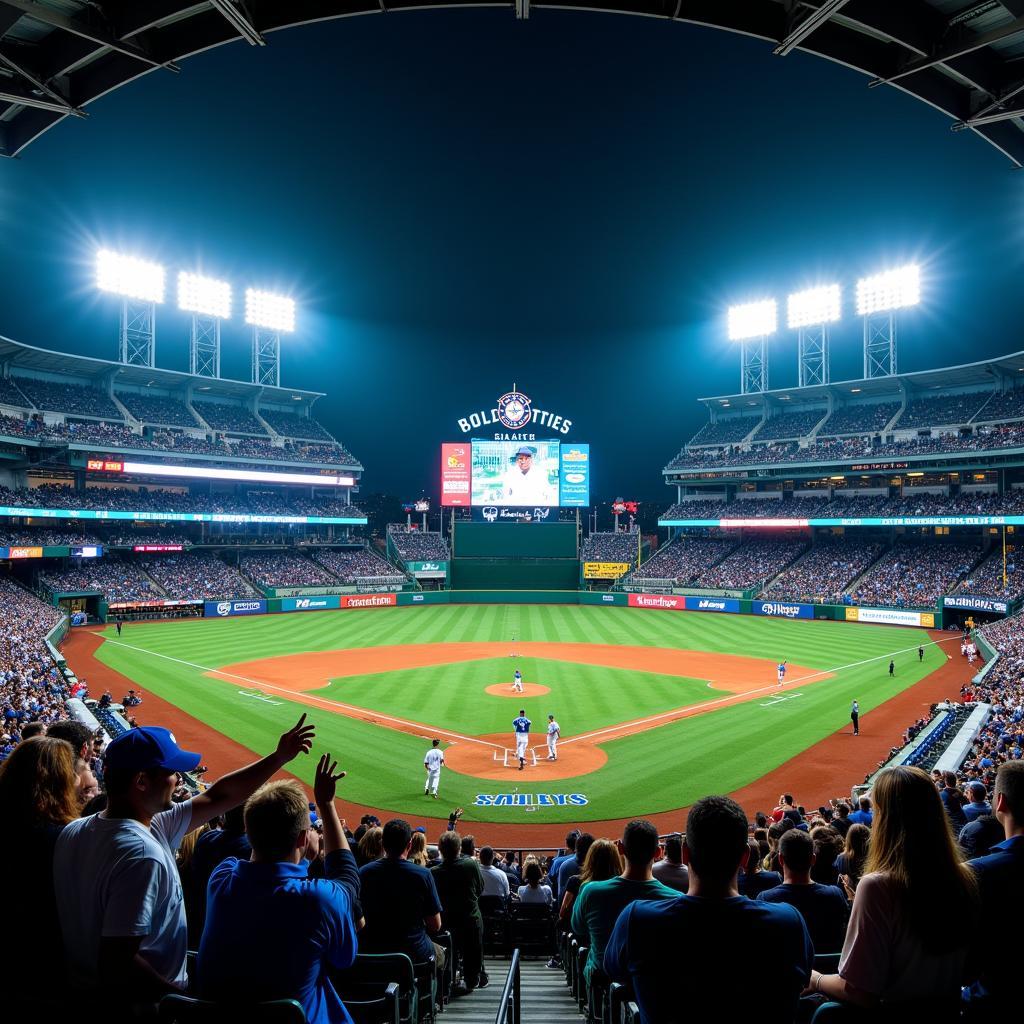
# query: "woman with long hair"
(533, 891)
(39, 795)
(418, 850)
(371, 846)
(915, 907)
(850, 863)
(603, 861)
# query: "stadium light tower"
(878, 299)
(209, 302)
(140, 285)
(270, 316)
(752, 324)
(809, 313)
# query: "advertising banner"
(117, 605)
(158, 547)
(368, 600)
(667, 602)
(574, 476)
(177, 517)
(222, 609)
(428, 569)
(87, 551)
(24, 552)
(780, 610)
(889, 521)
(975, 603)
(605, 570)
(891, 617)
(455, 473)
(310, 604)
(712, 604)
(504, 514)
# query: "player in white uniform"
(521, 725)
(517, 682)
(782, 671)
(554, 733)
(433, 762)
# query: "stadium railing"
(956, 753)
(510, 1003)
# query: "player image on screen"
(510, 473)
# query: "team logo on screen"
(514, 410)
(490, 513)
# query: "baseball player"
(517, 681)
(521, 725)
(782, 671)
(433, 762)
(855, 717)
(554, 734)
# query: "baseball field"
(655, 708)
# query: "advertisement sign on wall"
(368, 600)
(428, 570)
(974, 603)
(605, 570)
(310, 604)
(891, 617)
(504, 514)
(574, 475)
(781, 610)
(222, 609)
(668, 602)
(712, 604)
(455, 473)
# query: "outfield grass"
(663, 768)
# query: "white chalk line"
(360, 713)
(740, 698)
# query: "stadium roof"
(14, 355)
(962, 57)
(987, 371)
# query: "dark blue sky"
(459, 201)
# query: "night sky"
(460, 201)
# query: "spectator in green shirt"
(599, 904)
(459, 885)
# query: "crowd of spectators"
(196, 576)
(1008, 406)
(825, 571)
(915, 574)
(940, 410)
(46, 536)
(610, 547)
(417, 546)
(726, 431)
(790, 424)
(116, 579)
(349, 565)
(161, 409)
(986, 579)
(859, 419)
(10, 394)
(73, 399)
(229, 419)
(749, 565)
(683, 559)
(280, 569)
(290, 425)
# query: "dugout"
(515, 556)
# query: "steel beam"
(240, 20)
(804, 29)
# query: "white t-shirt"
(433, 759)
(115, 878)
(531, 488)
(495, 881)
(542, 894)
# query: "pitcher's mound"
(529, 690)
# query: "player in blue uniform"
(521, 725)
(782, 671)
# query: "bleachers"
(290, 425)
(161, 409)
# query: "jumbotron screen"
(514, 474)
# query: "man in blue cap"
(122, 912)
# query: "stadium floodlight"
(753, 320)
(129, 276)
(205, 296)
(892, 289)
(265, 309)
(814, 306)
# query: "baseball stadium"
(826, 601)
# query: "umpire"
(855, 717)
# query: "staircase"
(545, 997)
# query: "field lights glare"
(893, 289)
(265, 309)
(204, 295)
(129, 276)
(753, 320)
(813, 307)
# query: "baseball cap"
(149, 747)
(526, 450)
(420, 828)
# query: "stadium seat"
(185, 1010)
(597, 997)
(495, 912)
(425, 973)
(531, 929)
(383, 1010)
(618, 996)
(582, 952)
(630, 1013)
(371, 974)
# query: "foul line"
(359, 713)
(637, 723)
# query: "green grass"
(660, 769)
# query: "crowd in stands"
(10, 393)
(290, 425)
(279, 569)
(986, 579)
(683, 559)
(749, 565)
(138, 537)
(117, 579)
(45, 536)
(417, 546)
(822, 575)
(915, 574)
(610, 547)
(1008, 406)
(790, 424)
(853, 419)
(230, 419)
(157, 408)
(1002, 736)
(350, 565)
(726, 431)
(74, 399)
(196, 576)
(939, 410)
